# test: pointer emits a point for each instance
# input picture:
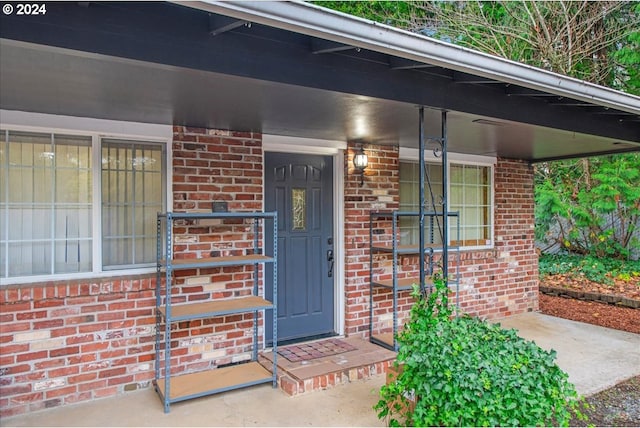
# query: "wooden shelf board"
(403, 284)
(402, 249)
(184, 387)
(386, 338)
(187, 311)
(217, 261)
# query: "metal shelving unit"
(395, 284)
(173, 389)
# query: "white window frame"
(413, 155)
(97, 129)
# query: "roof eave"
(331, 25)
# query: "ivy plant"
(462, 371)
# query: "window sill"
(5, 282)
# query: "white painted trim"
(286, 144)
(71, 124)
(96, 206)
(97, 129)
(410, 154)
(75, 276)
(338, 196)
(275, 143)
(407, 153)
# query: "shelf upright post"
(158, 287)
(275, 299)
(370, 275)
(167, 320)
(394, 241)
(256, 250)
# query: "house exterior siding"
(63, 342)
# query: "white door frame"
(285, 144)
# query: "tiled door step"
(365, 361)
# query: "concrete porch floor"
(594, 357)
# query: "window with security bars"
(470, 188)
(132, 189)
(50, 198)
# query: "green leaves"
(590, 206)
(467, 372)
(596, 269)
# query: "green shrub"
(466, 372)
(596, 269)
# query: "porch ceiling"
(125, 62)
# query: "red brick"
(106, 374)
(49, 363)
(64, 351)
(49, 303)
(92, 386)
(27, 398)
(16, 326)
(64, 371)
(106, 392)
(31, 356)
(61, 391)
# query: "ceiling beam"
(519, 91)
(459, 77)
(221, 24)
(320, 46)
(397, 63)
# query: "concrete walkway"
(594, 357)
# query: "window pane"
(131, 197)
(469, 194)
(410, 201)
(46, 204)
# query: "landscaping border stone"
(610, 299)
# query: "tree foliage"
(590, 206)
(595, 41)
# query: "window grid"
(128, 217)
(37, 237)
(48, 208)
(471, 196)
(469, 193)
(409, 201)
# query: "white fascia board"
(282, 143)
(312, 20)
(408, 153)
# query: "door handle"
(330, 261)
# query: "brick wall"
(503, 281)
(495, 283)
(212, 165)
(64, 342)
(380, 191)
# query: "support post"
(421, 202)
(445, 197)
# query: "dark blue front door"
(300, 188)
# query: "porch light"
(360, 162)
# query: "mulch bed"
(619, 405)
(602, 314)
(576, 298)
